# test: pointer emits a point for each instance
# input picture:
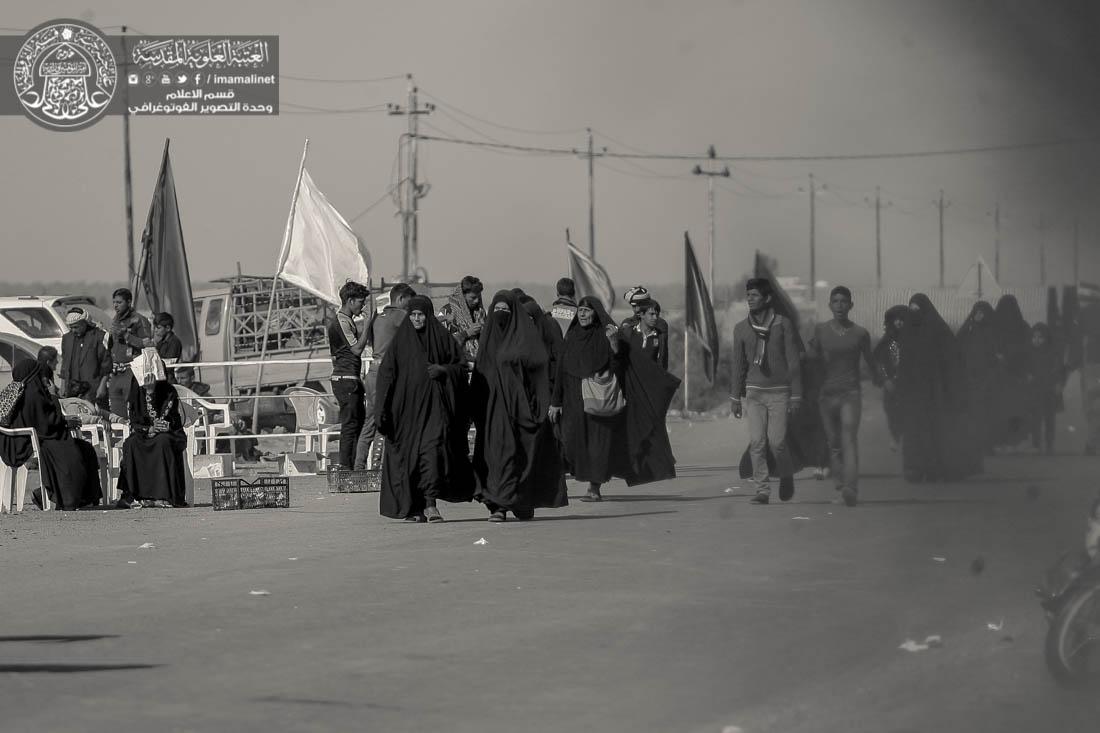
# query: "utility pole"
(997, 241)
(1076, 253)
(1042, 251)
(412, 190)
(127, 177)
(942, 205)
(591, 155)
(711, 174)
(813, 245)
(878, 233)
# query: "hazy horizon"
(752, 77)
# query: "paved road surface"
(673, 607)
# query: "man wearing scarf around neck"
(767, 383)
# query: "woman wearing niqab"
(422, 411)
(69, 466)
(632, 445)
(1013, 353)
(933, 399)
(516, 456)
(977, 339)
(154, 467)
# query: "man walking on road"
(767, 383)
(840, 344)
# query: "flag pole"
(274, 287)
(687, 331)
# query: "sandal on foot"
(498, 516)
(433, 516)
(591, 497)
(416, 518)
(524, 515)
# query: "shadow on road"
(661, 497)
(59, 638)
(53, 668)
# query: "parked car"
(41, 318)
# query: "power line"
(788, 158)
(364, 212)
(521, 130)
(329, 110)
(318, 80)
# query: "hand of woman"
(554, 414)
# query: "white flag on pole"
(321, 252)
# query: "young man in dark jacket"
(767, 383)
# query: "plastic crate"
(266, 492)
(343, 481)
(225, 493)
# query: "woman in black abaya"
(1013, 352)
(516, 456)
(153, 457)
(422, 410)
(68, 466)
(632, 444)
(933, 399)
(977, 339)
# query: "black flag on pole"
(699, 312)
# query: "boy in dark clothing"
(85, 362)
(346, 344)
(169, 346)
(767, 383)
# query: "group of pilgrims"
(567, 391)
(547, 393)
(954, 398)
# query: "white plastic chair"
(317, 414)
(211, 419)
(13, 481)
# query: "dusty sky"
(751, 77)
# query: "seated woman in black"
(153, 464)
(69, 466)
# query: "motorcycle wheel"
(1073, 640)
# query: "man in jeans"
(382, 330)
(346, 344)
(767, 383)
(839, 344)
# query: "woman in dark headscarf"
(516, 456)
(154, 466)
(593, 446)
(422, 411)
(1013, 352)
(887, 358)
(933, 399)
(596, 448)
(977, 339)
(69, 466)
(551, 335)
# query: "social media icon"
(181, 79)
(132, 78)
(165, 79)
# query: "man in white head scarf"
(85, 361)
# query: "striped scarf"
(763, 333)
